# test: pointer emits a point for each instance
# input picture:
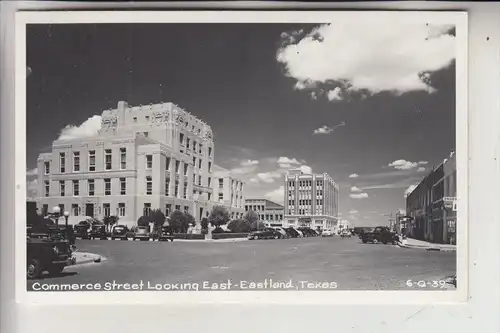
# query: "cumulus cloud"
(405, 165)
(334, 95)
(327, 130)
(32, 172)
(88, 128)
(306, 169)
(361, 195)
(285, 162)
(267, 177)
(409, 190)
(353, 175)
(249, 162)
(356, 189)
(277, 195)
(353, 212)
(421, 169)
(372, 56)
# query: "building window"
(194, 146)
(184, 194)
(200, 148)
(168, 209)
(209, 196)
(91, 160)
(209, 181)
(177, 207)
(149, 161)
(221, 182)
(47, 188)
(62, 162)
(62, 188)
(185, 169)
(186, 209)
(147, 209)
(209, 151)
(76, 187)
(167, 186)
(149, 185)
(221, 196)
(107, 209)
(76, 161)
(123, 186)
(123, 158)
(75, 210)
(46, 167)
(167, 164)
(134, 119)
(121, 209)
(199, 180)
(187, 143)
(200, 162)
(177, 165)
(181, 138)
(107, 186)
(61, 207)
(176, 189)
(107, 159)
(146, 134)
(194, 161)
(209, 167)
(147, 118)
(91, 184)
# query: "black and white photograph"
(245, 155)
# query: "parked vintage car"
(98, 231)
(266, 233)
(292, 233)
(379, 235)
(142, 233)
(119, 232)
(327, 233)
(282, 231)
(308, 232)
(165, 233)
(345, 233)
(47, 254)
(82, 230)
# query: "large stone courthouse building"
(155, 156)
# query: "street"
(347, 262)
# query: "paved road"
(347, 262)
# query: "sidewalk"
(418, 244)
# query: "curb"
(427, 248)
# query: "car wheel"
(375, 241)
(276, 237)
(33, 270)
(255, 237)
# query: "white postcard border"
(246, 297)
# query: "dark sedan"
(267, 233)
(119, 232)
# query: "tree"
(257, 225)
(251, 216)
(179, 222)
(204, 225)
(143, 221)
(158, 218)
(190, 219)
(218, 216)
(109, 221)
(239, 226)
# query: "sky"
(371, 104)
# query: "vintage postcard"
(268, 157)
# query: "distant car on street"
(292, 233)
(142, 233)
(379, 235)
(283, 232)
(81, 230)
(345, 233)
(98, 231)
(327, 233)
(119, 232)
(266, 233)
(165, 233)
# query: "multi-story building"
(431, 206)
(311, 200)
(270, 212)
(228, 192)
(156, 156)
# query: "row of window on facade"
(305, 183)
(305, 211)
(194, 145)
(108, 157)
(319, 193)
(305, 202)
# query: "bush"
(190, 219)
(218, 230)
(227, 235)
(218, 216)
(158, 218)
(251, 217)
(239, 226)
(188, 236)
(179, 222)
(109, 221)
(143, 221)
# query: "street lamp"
(56, 213)
(66, 216)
